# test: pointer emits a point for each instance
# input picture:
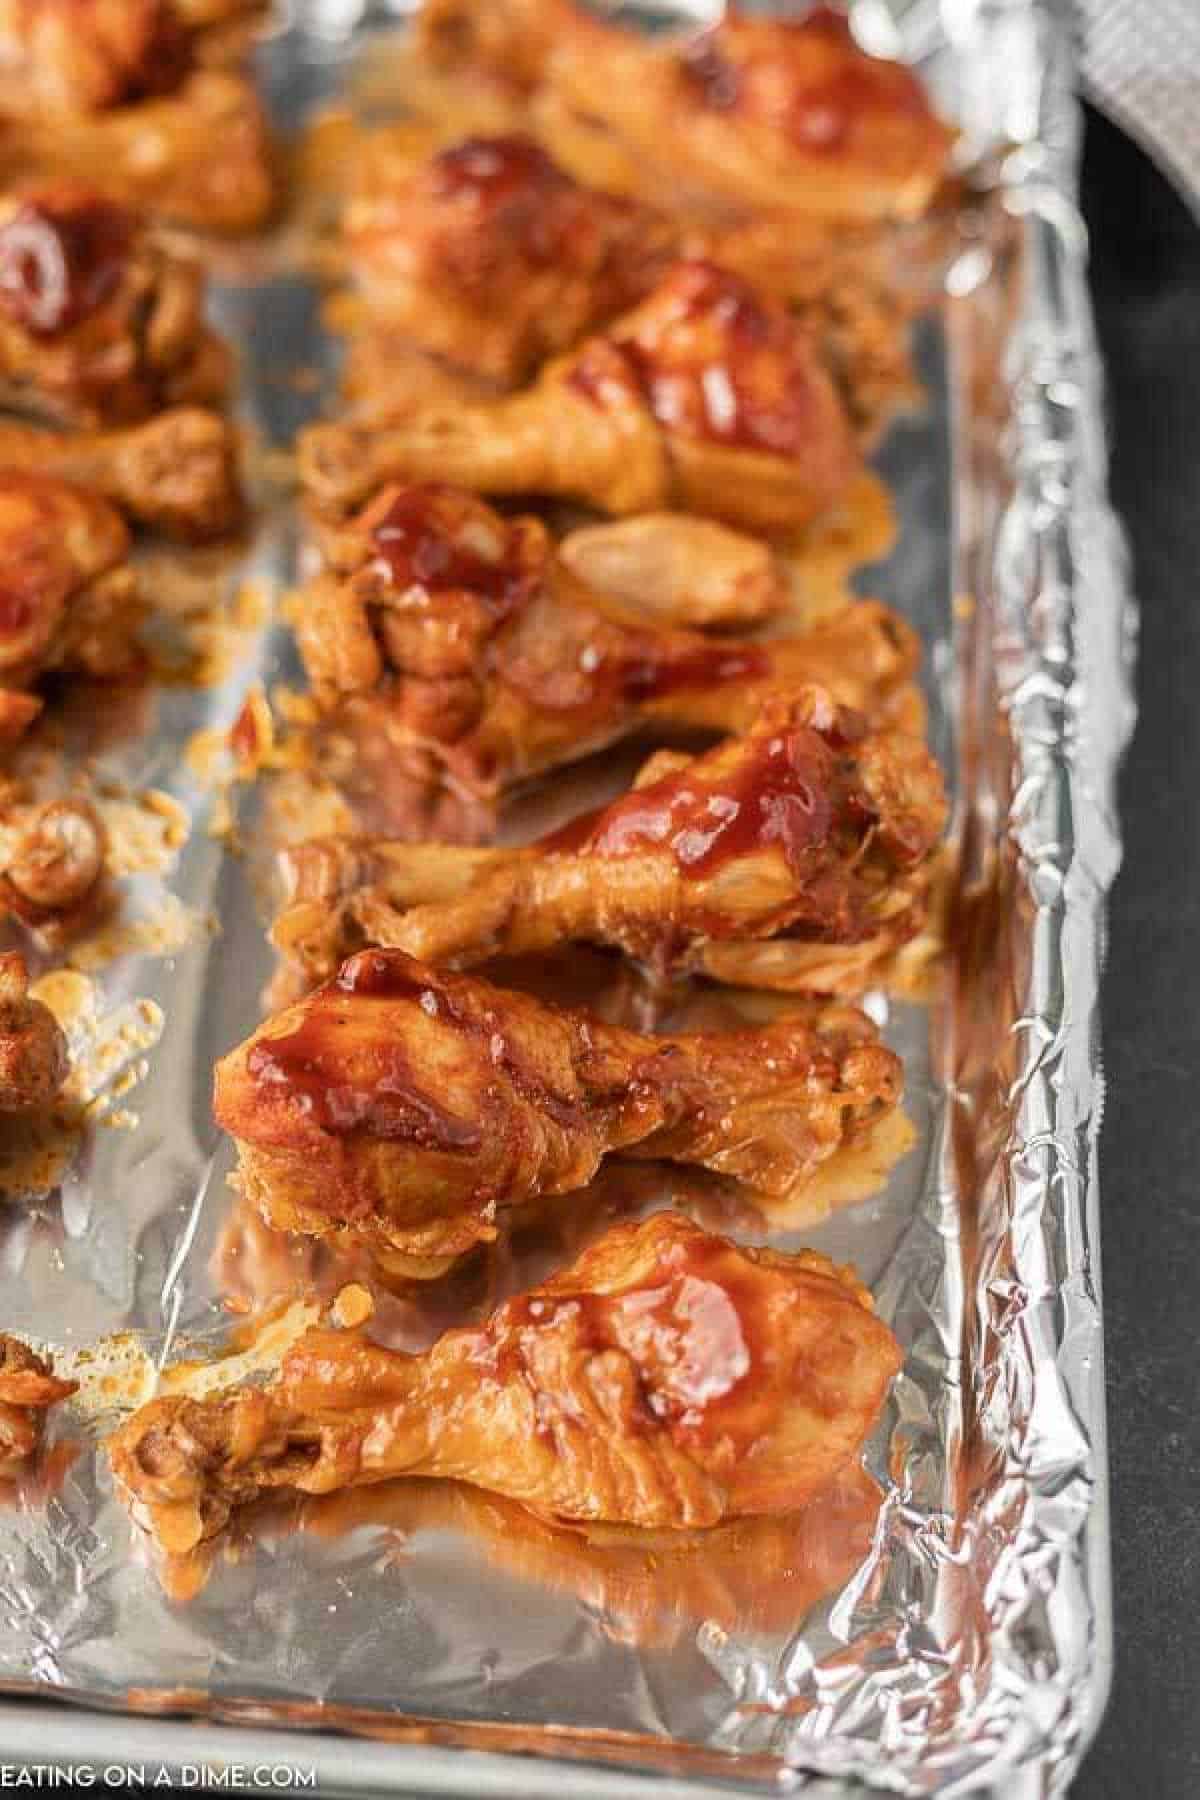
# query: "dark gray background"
(1146, 285)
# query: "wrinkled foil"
(968, 1652)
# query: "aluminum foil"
(963, 1645)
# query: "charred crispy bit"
(100, 324)
(796, 857)
(55, 879)
(669, 1379)
(453, 628)
(784, 113)
(176, 473)
(68, 595)
(33, 1050)
(28, 1389)
(707, 398)
(419, 1108)
(490, 255)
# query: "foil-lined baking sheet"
(947, 1630)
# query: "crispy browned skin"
(418, 1107)
(33, 1052)
(176, 473)
(100, 323)
(55, 880)
(506, 41)
(491, 258)
(706, 398)
(786, 114)
(491, 255)
(114, 92)
(28, 1388)
(68, 595)
(450, 627)
(795, 857)
(668, 1379)
(199, 156)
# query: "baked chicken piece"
(110, 91)
(100, 323)
(676, 570)
(784, 113)
(28, 1389)
(461, 632)
(488, 256)
(706, 398)
(69, 597)
(796, 857)
(33, 1055)
(669, 1379)
(176, 473)
(416, 1108)
(54, 875)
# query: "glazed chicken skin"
(54, 875)
(111, 91)
(175, 474)
(489, 256)
(462, 632)
(786, 114)
(99, 322)
(68, 596)
(796, 857)
(33, 1053)
(706, 398)
(669, 1380)
(28, 1389)
(418, 1108)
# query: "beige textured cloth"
(1141, 65)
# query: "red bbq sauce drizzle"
(385, 1098)
(606, 669)
(696, 1327)
(787, 790)
(711, 361)
(62, 256)
(488, 172)
(389, 1098)
(658, 673)
(431, 538)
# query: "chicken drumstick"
(415, 1107)
(465, 633)
(796, 857)
(668, 1379)
(706, 398)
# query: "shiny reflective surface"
(968, 1642)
